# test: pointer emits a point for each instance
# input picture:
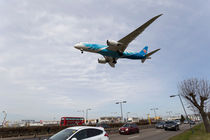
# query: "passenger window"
(93, 132)
(81, 135)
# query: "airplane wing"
(130, 37)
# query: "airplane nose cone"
(77, 46)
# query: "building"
(133, 119)
(110, 119)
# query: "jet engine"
(102, 61)
(113, 43)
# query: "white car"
(81, 133)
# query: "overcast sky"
(43, 76)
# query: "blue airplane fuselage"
(102, 49)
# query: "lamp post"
(183, 109)
(121, 102)
(154, 112)
(87, 115)
(169, 113)
(127, 115)
(5, 116)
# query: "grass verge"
(199, 134)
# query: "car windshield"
(63, 135)
(126, 125)
(160, 123)
(170, 122)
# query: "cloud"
(41, 71)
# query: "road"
(145, 134)
(150, 134)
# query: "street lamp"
(127, 115)
(181, 103)
(169, 113)
(5, 116)
(154, 112)
(121, 102)
(183, 108)
(87, 115)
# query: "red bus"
(72, 121)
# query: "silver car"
(81, 133)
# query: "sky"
(43, 77)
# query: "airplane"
(116, 49)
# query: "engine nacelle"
(113, 43)
(102, 61)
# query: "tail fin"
(143, 52)
(147, 56)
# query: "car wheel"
(166, 129)
(137, 131)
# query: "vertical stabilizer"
(143, 52)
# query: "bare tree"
(197, 93)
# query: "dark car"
(129, 128)
(160, 125)
(171, 125)
(192, 122)
(104, 125)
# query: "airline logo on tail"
(144, 51)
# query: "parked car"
(171, 125)
(129, 128)
(178, 121)
(186, 122)
(192, 122)
(81, 133)
(160, 124)
(104, 125)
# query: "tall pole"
(5, 116)
(127, 115)
(86, 121)
(121, 111)
(183, 109)
(169, 113)
(121, 102)
(154, 112)
(183, 106)
(185, 112)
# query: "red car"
(129, 128)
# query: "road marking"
(133, 137)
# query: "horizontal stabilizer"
(151, 53)
(147, 56)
